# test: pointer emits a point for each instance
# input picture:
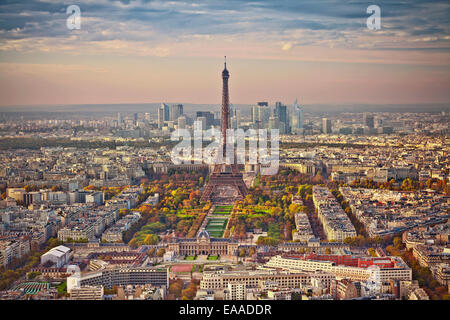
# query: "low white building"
(58, 256)
(168, 256)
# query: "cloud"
(145, 27)
(287, 46)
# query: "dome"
(203, 234)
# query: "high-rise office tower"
(209, 116)
(378, 122)
(234, 117)
(326, 125)
(176, 110)
(203, 123)
(166, 113)
(369, 120)
(264, 116)
(274, 123)
(281, 113)
(161, 113)
(119, 118)
(261, 114)
(147, 116)
(254, 114)
(182, 122)
(297, 118)
(135, 118)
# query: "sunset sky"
(172, 51)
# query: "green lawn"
(225, 207)
(62, 288)
(223, 210)
(213, 258)
(216, 227)
(190, 258)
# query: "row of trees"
(38, 143)
(20, 267)
(423, 274)
(179, 209)
(244, 252)
(405, 185)
(269, 207)
(359, 226)
(177, 290)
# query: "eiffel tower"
(225, 174)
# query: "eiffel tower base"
(234, 180)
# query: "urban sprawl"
(93, 208)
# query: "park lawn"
(256, 215)
(213, 258)
(216, 227)
(190, 258)
(261, 211)
(223, 210)
(184, 215)
(225, 207)
(140, 236)
(273, 231)
(62, 288)
(217, 234)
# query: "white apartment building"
(339, 271)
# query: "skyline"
(153, 51)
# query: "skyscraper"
(182, 122)
(326, 125)
(274, 123)
(166, 112)
(254, 114)
(281, 113)
(119, 118)
(369, 120)
(236, 120)
(261, 115)
(161, 113)
(297, 118)
(203, 123)
(209, 116)
(234, 117)
(176, 110)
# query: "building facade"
(203, 245)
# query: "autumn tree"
(161, 252)
(133, 243)
(176, 287)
